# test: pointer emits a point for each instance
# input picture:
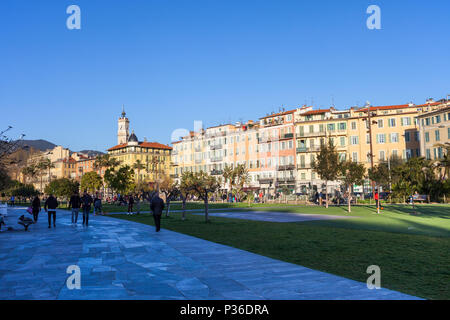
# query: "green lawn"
(413, 252)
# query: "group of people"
(75, 204)
(85, 203)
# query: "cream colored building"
(434, 131)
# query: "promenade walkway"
(126, 260)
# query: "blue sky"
(172, 62)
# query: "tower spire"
(123, 111)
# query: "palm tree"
(41, 167)
(242, 177)
(228, 176)
(444, 163)
(138, 166)
(29, 172)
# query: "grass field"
(413, 252)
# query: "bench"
(25, 221)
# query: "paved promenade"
(126, 260)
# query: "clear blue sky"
(172, 62)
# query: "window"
(427, 137)
(303, 175)
(311, 128)
(448, 133)
(342, 126)
(394, 137)
(331, 127)
(342, 140)
(355, 156)
(407, 137)
(406, 121)
(437, 133)
(382, 156)
(367, 138)
(381, 138)
(380, 123)
(391, 122)
(354, 125)
(438, 119)
(428, 154)
(416, 136)
(353, 140)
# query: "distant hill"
(40, 144)
(91, 153)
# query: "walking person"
(50, 207)
(36, 208)
(130, 204)
(157, 207)
(97, 205)
(86, 202)
(12, 201)
(75, 203)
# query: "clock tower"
(123, 126)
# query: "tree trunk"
(349, 199)
(326, 194)
(206, 208)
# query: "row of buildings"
(278, 149)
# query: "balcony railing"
(308, 149)
(216, 172)
(287, 136)
(216, 159)
(310, 134)
(286, 167)
(198, 161)
(174, 176)
(215, 146)
(265, 180)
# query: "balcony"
(310, 149)
(215, 146)
(311, 134)
(174, 176)
(286, 167)
(287, 136)
(174, 164)
(174, 152)
(265, 180)
(286, 179)
(198, 161)
(216, 159)
(198, 149)
(215, 172)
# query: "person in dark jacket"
(86, 202)
(130, 204)
(157, 207)
(75, 204)
(36, 208)
(50, 207)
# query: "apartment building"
(154, 158)
(314, 128)
(279, 150)
(434, 127)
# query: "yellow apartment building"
(154, 157)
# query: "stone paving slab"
(126, 260)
